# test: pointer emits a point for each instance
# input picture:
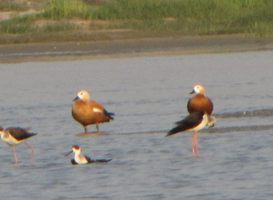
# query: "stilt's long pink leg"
(195, 149)
(14, 154)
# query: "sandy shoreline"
(131, 47)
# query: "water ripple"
(253, 113)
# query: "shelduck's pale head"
(198, 89)
(83, 95)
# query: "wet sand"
(131, 47)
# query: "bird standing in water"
(201, 103)
(193, 122)
(14, 136)
(88, 112)
(200, 108)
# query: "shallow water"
(148, 94)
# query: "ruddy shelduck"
(201, 103)
(88, 112)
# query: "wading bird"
(193, 122)
(88, 112)
(14, 136)
(201, 103)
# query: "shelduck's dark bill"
(76, 98)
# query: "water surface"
(148, 94)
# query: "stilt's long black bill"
(68, 153)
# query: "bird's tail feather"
(109, 114)
(179, 128)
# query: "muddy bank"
(131, 47)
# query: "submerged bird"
(15, 135)
(80, 159)
(201, 103)
(87, 111)
(195, 121)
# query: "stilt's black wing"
(97, 160)
(19, 133)
(187, 123)
(102, 160)
(73, 162)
